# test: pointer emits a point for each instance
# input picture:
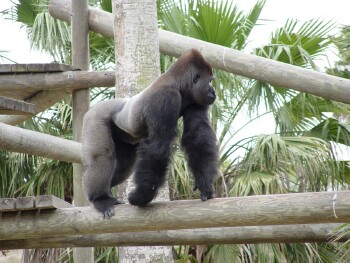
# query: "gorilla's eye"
(196, 78)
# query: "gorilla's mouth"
(211, 94)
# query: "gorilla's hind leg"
(99, 164)
(154, 152)
(104, 204)
(151, 168)
(126, 156)
(97, 181)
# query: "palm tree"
(342, 42)
(297, 157)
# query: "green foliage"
(277, 164)
(223, 253)
(298, 45)
(183, 254)
(298, 157)
(26, 175)
(15, 169)
(106, 255)
(342, 42)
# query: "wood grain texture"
(14, 107)
(25, 203)
(32, 203)
(50, 202)
(42, 100)
(230, 60)
(80, 105)
(201, 236)
(34, 68)
(7, 204)
(58, 85)
(68, 80)
(31, 142)
(306, 208)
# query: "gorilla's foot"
(141, 197)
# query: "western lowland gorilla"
(136, 134)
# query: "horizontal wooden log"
(50, 202)
(202, 236)
(68, 80)
(306, 208)
(14, 107)
(7, 204)
(42, 100)
(34, 67)
(230, 60)
(25, 203)
(31, 142)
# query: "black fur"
(125, 135)
(154, 151)
(199, 142)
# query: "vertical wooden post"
(137, 65)
(81, 100)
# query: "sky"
(13, 38)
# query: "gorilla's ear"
(196, 78)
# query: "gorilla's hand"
(206, 192)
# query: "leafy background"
(297, 156)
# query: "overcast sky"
(13, 38)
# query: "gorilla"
(126, 135)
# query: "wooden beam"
(31, 203)
(80, 105)
(14, 107)
(201, 236)
(25, 203)
(34, 67)
(230, 60)
(50, 202)
(31, 142)
(283, 209)
(42, 100)
(7, 204)
(67, 81)
(80, 97)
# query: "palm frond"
(52, 36)
(331, 130)
(298, 45)
(223, 253)
(276, 164)
(248, 24)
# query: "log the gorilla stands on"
(253, 219)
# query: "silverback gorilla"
(136, 134)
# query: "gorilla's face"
(203, 91)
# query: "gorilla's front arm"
(200, 145)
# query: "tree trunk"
(137, 65)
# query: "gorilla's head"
(195, 75)
(201, 75)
